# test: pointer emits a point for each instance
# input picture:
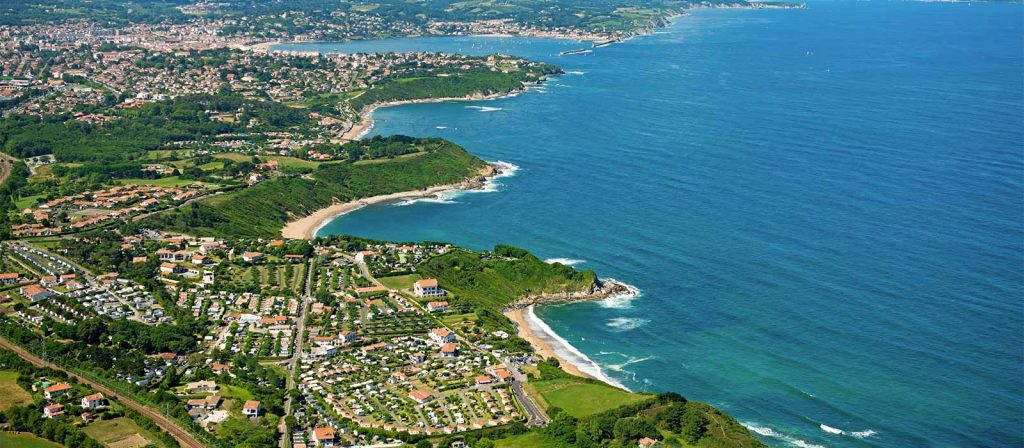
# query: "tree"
(424, 444)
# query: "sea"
(822, 211)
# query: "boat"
(578, 51)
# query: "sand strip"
(306, 228)
(541, 345)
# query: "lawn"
(581, 397)
(284, 161)
(120, 433)
(10, 392)
(171, 182)
(25, 440)
(531, 439)
(27, 201)
(228, 391)
(399, 281)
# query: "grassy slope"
(10, 392)
(495, 282)
(122, 431)
(580, 397)
(25, 440)
(261, 210)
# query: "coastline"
(549, 344)
(307, 226)
(365, 124)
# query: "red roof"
(58, 387)
(427, 282)
(251, 404)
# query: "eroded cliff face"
(600, 289)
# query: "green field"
(120, 432)
(171, 182)
(529, 440)
(399, 281)
(228, 391)
(10, 392)
(581, 397)
(25, 440)
(284, 161)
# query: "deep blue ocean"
(822, 208)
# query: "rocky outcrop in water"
(600, 289)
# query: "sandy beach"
(306, 227)
(540, 345)
(363, 126)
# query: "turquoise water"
(823, 209)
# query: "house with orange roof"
(442, 335)
(251, 408)
(53, 410)
(9, 278)
(437, 307)
(420, 396)
(56, 390)
(427, 287)
(93, 401)
(323, 436)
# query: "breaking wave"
(765, 431)
(567, 351)
(627, 323)
(485, 108)
(621, 301)
(565, 261)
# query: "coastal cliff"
(597, 290)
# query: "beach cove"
(830, 266)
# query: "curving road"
(184, 438)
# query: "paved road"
(183, 436)
(536, 415)
(296, 357)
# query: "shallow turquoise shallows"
(822, 209)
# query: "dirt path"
(5, 168)
(184, 438)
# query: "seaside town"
(378, 354)
(163, 174)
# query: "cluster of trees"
(138, 130)
(17, 178)
(116, 12)
(261, 210)
(488, 282)
(481, 81)
(687, 423)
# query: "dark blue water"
(823, 208)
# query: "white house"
(323, 436)
(427, 287)
(251, 408)
(363, 256)
(437, 307)
(442, 335)
(56, 390)
(94, 401)
(53, 410)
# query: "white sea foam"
(830, 429)
(567, 351)
(621, 301)
(448, 196)
(565, 261)
(864, 434)
(631, 360)
(485, 108)
(765, 431)
(627, 323)
(575, 72)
